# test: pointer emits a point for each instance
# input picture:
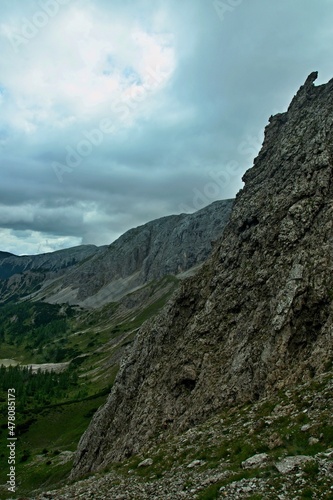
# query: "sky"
(117, 112)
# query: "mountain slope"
(21, 275)
(4, 255)
(276, 448)
(170, 245)
(92, 276)
(48, 262)
(257, 317)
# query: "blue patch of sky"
(131, 75)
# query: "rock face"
(170, 245)
(257, 317)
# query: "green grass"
(60, 427)
(43, 477)
(210, 493)
(51, 431)
(307, 493)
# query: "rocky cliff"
(257, 317)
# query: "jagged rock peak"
(311, 78)
(259, 315)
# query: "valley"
(88, 351)
(63, 358)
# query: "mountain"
(257, 318)
(20, 275)
(4, 255)
(91, 276)
(52, 262)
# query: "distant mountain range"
(52, 262)
(92, 276)
(4, 255)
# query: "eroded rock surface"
(257, 317)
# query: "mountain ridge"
(15, 264)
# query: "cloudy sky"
(117, 112)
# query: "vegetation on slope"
(53, 409)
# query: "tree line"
(34, 389)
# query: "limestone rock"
(288, 464)
(256, 462)
(169, 245)
(48, 262)
(274, 441)
(257, 318)
(91, 276)
(146, 463)
(19, 275)
(195, 463)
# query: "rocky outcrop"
(257, 317)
